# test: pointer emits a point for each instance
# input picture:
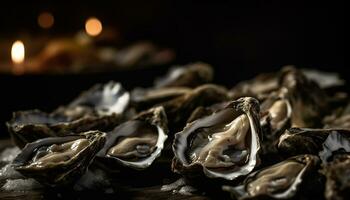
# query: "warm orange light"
(93, 26)
(17, 52)
(46, 20)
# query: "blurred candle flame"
(93, 26)
(17, 52)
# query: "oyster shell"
(321, 142)
(308, 101)
(339, 119)
(191, 75)
(279, 181)
(202, 111)
(337, 177)
(276, 114)
(180, 108)
(224, 144)
(136, 143)
(258, 87)
(146, 98)
(101, 100)
(100, 108)
(56, 161)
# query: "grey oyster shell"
(337, 177)
(263, 84)
(258, 87)
(202, 111)
(180, 108)
(223, 145)
(322, 142)
(57, 161)
(338, 119)
(279, 181)
(146, 98)
(136, 143)
(100, 108)
(100, 100)
(191, 75)
(308, 101)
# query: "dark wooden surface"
(121, 191)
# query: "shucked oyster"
(279, 181)
(100, 108)
(322, 142)
(55, 161)
(191, 75)
(137, 142)
(276, 113)
(224, 144)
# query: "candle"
(93, 26)
(17, 56)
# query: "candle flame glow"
(93, 26)
(17, 52)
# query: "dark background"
(239, 40)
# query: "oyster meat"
(100, 108)
(276, 112)
(279, 181)
(56, 161)
(137, 142)
(224, 144)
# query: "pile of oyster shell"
(280, 135)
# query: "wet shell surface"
(137, 142)
(56, 161)
(99, 108)
(279, 181)
(225, 144)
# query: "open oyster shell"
(179, 103)
(100, 100)
(191, 75)
(224, 144)
(202, 111)
(337, 177)
(180, 108)
(136, 143)
(279, 181)
(56, 161)
(258, 87)
(308, 101)
(338, 119)
(322, 142)
(276, 114)
(146, 98)
(262, 85)
(100, 108)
